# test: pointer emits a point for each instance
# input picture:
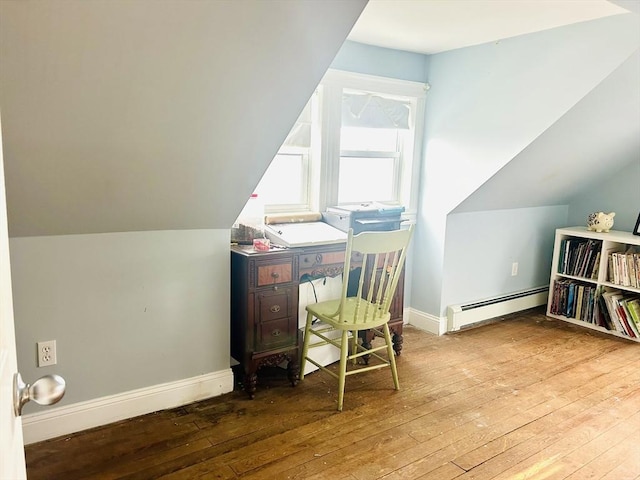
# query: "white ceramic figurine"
(600, 221)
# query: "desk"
(264, 305)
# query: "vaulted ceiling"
(434, 26)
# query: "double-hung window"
(358, 140)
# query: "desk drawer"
(326, 264)
(274, 305)
(276, 333)
(319, 259)
(274, 274)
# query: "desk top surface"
(249, 251)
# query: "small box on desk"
(365, 217)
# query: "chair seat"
(326, 312)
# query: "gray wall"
(111, 109)
(133, 133)
(128, 310)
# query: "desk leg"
(250, 382)
(397, 343)
(293, 371)
(396, 337)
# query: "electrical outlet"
(514, 269)
(47, 353)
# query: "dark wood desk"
(264, 305)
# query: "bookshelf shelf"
(595, 281)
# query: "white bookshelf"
(594, 280)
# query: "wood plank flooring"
(527, 397)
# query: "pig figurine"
(600, 221)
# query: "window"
(285, 184)
(364, 147)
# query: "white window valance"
(374, 111)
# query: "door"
(11, 444)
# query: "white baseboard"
(427, 322)
(101, 411)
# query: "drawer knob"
(275, 308)
(276, 333)
(275, 274)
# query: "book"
(579, 301)
(634, 310)
(596, 266)
(626, 314)
(570, 300)
(611, 307)
(631, 266)
(562, 257)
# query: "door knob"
(46, 390)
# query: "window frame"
(325, 154)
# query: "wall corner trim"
(427, 322)
(101, 411)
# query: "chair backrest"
(383, 256)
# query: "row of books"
(573, 299)
(611, 309)
(624, 268)
(624, 310)
(579, 257)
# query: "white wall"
(619, 192)
(482, 246)
(593, 140)
(488, 103)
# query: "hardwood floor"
(528, 397)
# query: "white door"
(11, 444)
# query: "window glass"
(365, 179)
(284, 181)
(285, 184)
(373, 130)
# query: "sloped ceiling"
(434, 26)
(598, 136)
(147, 115)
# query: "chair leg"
(354, 345)
(344, 350)
(391, 354)
(305, 344)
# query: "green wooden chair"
(383, 255)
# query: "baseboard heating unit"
(460, 316)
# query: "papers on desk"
(304, 234)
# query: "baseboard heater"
(460, 316)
